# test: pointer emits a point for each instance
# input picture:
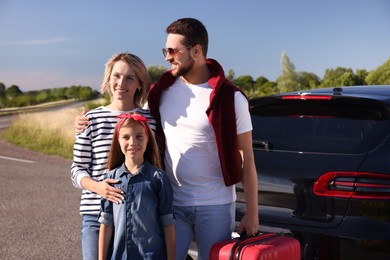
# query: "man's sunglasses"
(171, 51)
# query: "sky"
(55, 43)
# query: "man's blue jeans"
(90, 237)
(206, 224)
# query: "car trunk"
(295, 141)
(285, 187)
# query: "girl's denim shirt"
(138, 222)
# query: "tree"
(85, 93)
(244, 82)
(379, 76)
(309, 80)
(13, 91)
(361, 77)
(43, 96)
(155, 72)
(261, 81)
(340, 77)
(264, 87)
(72, 92)
(288, 80)
(58, 93)
(231, 75)
(3, 98)
(2, 90)
(23, 100)
(348, 79)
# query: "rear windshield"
(319, 127)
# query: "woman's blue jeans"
(90, 237)
(206, 224)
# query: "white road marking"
(15, 159)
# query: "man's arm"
(81, 122)
(250, 222)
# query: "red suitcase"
(268, 246)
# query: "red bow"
(136, 117)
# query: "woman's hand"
(107, 191)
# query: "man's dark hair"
(193, 30)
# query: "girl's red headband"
(136, 117)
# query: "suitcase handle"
(237, 247)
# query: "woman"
(126, 80)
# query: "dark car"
(323, 163)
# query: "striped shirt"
(90, 152)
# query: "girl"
(126, 80)
(142, 225)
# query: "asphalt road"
(38, 206)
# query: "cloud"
(36, 42)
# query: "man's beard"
(183, 70)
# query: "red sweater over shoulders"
(221, 114)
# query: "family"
(135, 205)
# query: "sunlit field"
(46, 132)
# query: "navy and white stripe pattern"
(91, 149)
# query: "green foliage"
(43, 96)
(14, 97)
(85, 93)
(361, 77)
(263, 87)
(155, 72)
(72, 92)
(379, 76)
(23, 100)
(95, 104)
(340, 77)
(58, 93)
(13, 91)
(2, 90)
(308, 80)
(244, 82)
(231, 75)
(289, 79)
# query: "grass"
(46, 132)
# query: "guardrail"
(17, 110)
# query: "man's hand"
(249, 225)
(81, 122)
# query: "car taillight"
(361, 185)
(308, 97)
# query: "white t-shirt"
(191, 157)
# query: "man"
(204, 132)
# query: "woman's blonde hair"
(140, 70)
(116, 156)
